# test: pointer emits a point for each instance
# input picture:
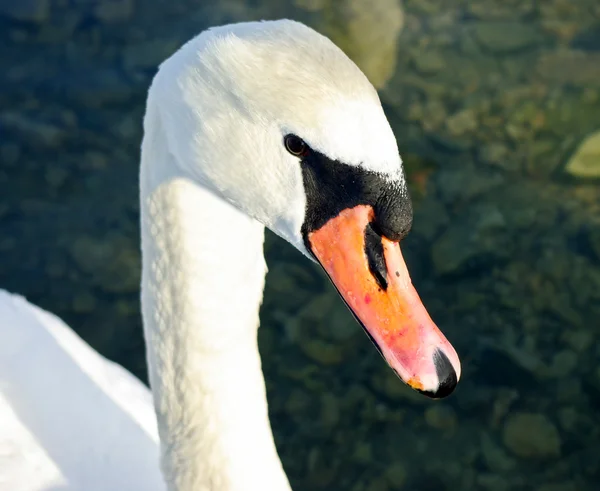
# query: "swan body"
(69, 418)
(247, 126)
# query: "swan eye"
(295, 145)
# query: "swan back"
(69, 418)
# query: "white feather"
(69, 418)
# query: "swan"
(247, 126)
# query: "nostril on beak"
(375, 256)
(446, 376)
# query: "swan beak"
(371, 276)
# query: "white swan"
(247, 125)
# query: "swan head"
(276, 120)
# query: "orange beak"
(370, 274)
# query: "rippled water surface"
(496, 108)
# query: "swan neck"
(202, 280)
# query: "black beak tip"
(446, 376)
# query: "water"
(489, 101)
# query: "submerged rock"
(310, 5)
(114, 10)
(481, 236)
(495, 456)
(462, 122)
(321, 351)
(594, 240)
(35, 11)
(429, 62)
(531, 435)
(148, 54)
(32, 129)
(563, 486)
(585, 162)
(570, 67)
(441, 417)
(588, 39)
(506, 37)
(368, 34)
(396, 475)
(112, 263)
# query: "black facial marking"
(374, 251)
(332, 186)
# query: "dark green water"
(490, 102)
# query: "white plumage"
(69, 418)
(214, 172)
